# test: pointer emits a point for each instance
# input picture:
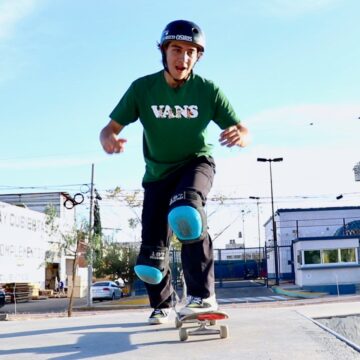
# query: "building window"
(330, 256)
(312, 257)
(347, 255)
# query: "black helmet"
(183, 30)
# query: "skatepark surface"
(263, 331)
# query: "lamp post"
(273, 216)
(90, 260)
(258, 221)
(243, 225)
(243, 213)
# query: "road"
(50, 305)
(273, 331)
(234, 292)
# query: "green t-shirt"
(174, 119)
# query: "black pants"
(197, 258)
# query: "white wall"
(323, 276)
(22, 245)
(319, 222)
(24, 242)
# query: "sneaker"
(159, 316)
(198, 305)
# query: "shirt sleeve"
(127, 110)
(224, 114)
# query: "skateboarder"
(175, 107)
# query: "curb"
(4, 317)
(298, 293)
(136, 302)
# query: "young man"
(175, 107)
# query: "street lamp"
(258, 221)
(273, 217)
(243, 213)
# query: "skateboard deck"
(202, 322)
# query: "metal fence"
(285, 263)
(231, 266)
(235, 267)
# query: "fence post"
(220, 269)
(266, 266)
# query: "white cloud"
(313, 171)
(318, 158)
(12, 12)
(302, 125)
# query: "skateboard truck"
(204, 321)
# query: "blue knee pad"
(152, 264)
(186, 223)
(148, 274)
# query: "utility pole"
(276, 255)
(257, 198)
(90, 259)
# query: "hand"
(113, 145)
(109, 140)
(234, 135)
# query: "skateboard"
(203, 322)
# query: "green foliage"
(175, 243)
(52, 227)
(117, 261)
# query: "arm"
(109, 140)
(235, 135)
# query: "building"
(329, 264)
(318, 248)
(28, 252)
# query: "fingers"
(230, 137)
(119, 145)
(115, 146)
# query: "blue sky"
(290, 69)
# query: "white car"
(105, 290)
(120, 282)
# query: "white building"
(317, 247)
(328, 264)
(28, 253)
(23, 245)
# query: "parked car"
(105, 290)
(2, 297)
(120, 282)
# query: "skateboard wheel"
(178, 323)
(183, 334)
(224, 331)
(212, 322)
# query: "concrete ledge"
(298, 293)
(4, 317)
(133, 302)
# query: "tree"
(117, 261)
(70, 242)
